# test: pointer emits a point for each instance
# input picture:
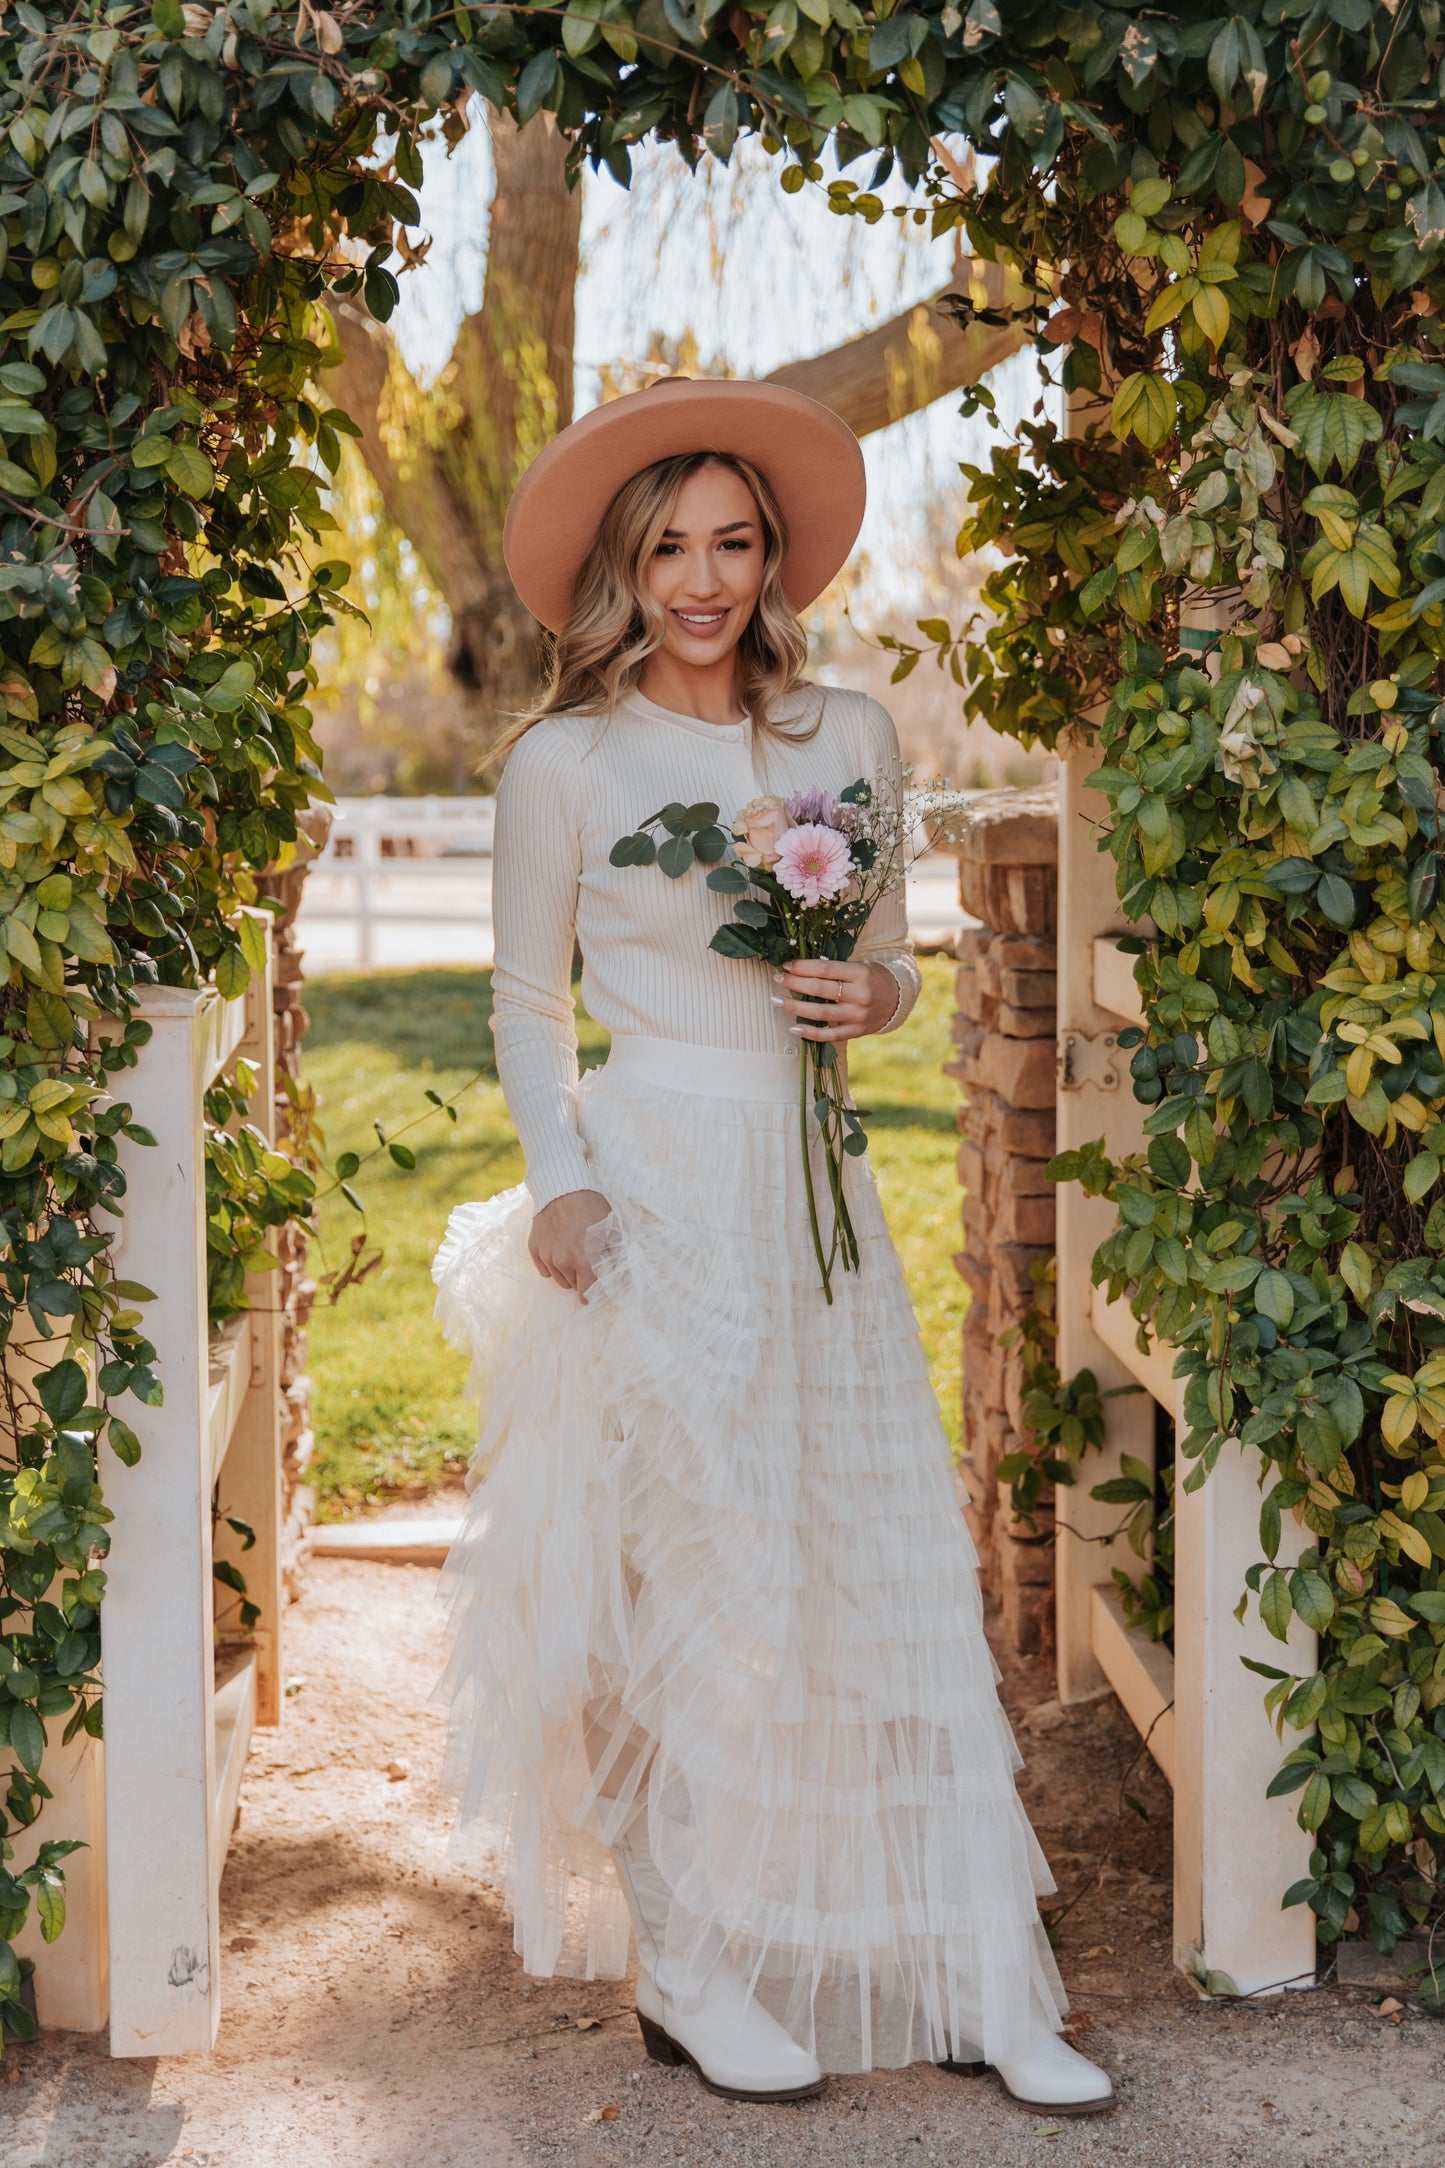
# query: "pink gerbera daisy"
(814, 863)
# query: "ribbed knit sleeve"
(535, 869)
(885, 939)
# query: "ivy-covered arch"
(1234, 218)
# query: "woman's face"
(708, 570)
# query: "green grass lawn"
(388, 1408)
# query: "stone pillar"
(296, 1291)
(1005, 1033)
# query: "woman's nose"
(702, 576)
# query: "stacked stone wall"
(1005, 1028)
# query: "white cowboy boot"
(709, 2021)
(1049, 2075)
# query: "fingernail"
(778, 976)
(777, 1001)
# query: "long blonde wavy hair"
(617, 622)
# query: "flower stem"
(805, 1068)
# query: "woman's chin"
(683, 647)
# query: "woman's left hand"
(836, 1001)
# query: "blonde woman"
(718, 1666)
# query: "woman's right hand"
(557, 1244)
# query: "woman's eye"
(737, 542)
(667, 549)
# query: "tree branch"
(907, 363)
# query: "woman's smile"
(702, 624)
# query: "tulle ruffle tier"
(716, 1555)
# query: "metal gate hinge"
(1084, 1060)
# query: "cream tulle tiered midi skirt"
(715, 1566)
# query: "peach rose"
(759, 829)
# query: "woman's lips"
(702, 624)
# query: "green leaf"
(1315, 1804)
(50, 1906)
(1275, 1607)
(123, 1442)
(1145, 407)
(1312, 1598)
(232, 973)
(189, 468)
(62, 1391)
(252, 936)
(675, 856)
(538, 85)
(437, 78)
(231, 688)
(721, 121)
(1274, 1297)
(1356, 1271)
(27, 1737)
(1420, 1176)
(735, 941)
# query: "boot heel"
(659, 2048)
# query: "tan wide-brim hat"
(810, 459)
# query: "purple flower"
(815, 809)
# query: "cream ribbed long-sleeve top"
(573, 785)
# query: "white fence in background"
(408, 881)
(404, 862)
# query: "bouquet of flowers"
(807, 872)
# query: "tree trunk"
(446, 463)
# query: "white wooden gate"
(1235, 1852)
(156, 1802)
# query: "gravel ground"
(375, 2015)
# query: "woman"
(718, 1654)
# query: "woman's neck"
(710, 694)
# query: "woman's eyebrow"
(676, 534)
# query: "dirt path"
(375, 2016)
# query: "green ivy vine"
(1231, 221)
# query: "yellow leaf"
(51, 1091)
(1410, 1540)
(18, 1148)
(1169, 303)
(1414, 1490)
(1387, 1618)
(1397, 1418)
(1211, 313)
(1358, 1071)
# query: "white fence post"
(1235, 1851)
(178, 1716)
(156, 1624)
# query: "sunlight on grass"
(388, 1408)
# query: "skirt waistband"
(713, 1072)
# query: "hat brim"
(810, 459)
